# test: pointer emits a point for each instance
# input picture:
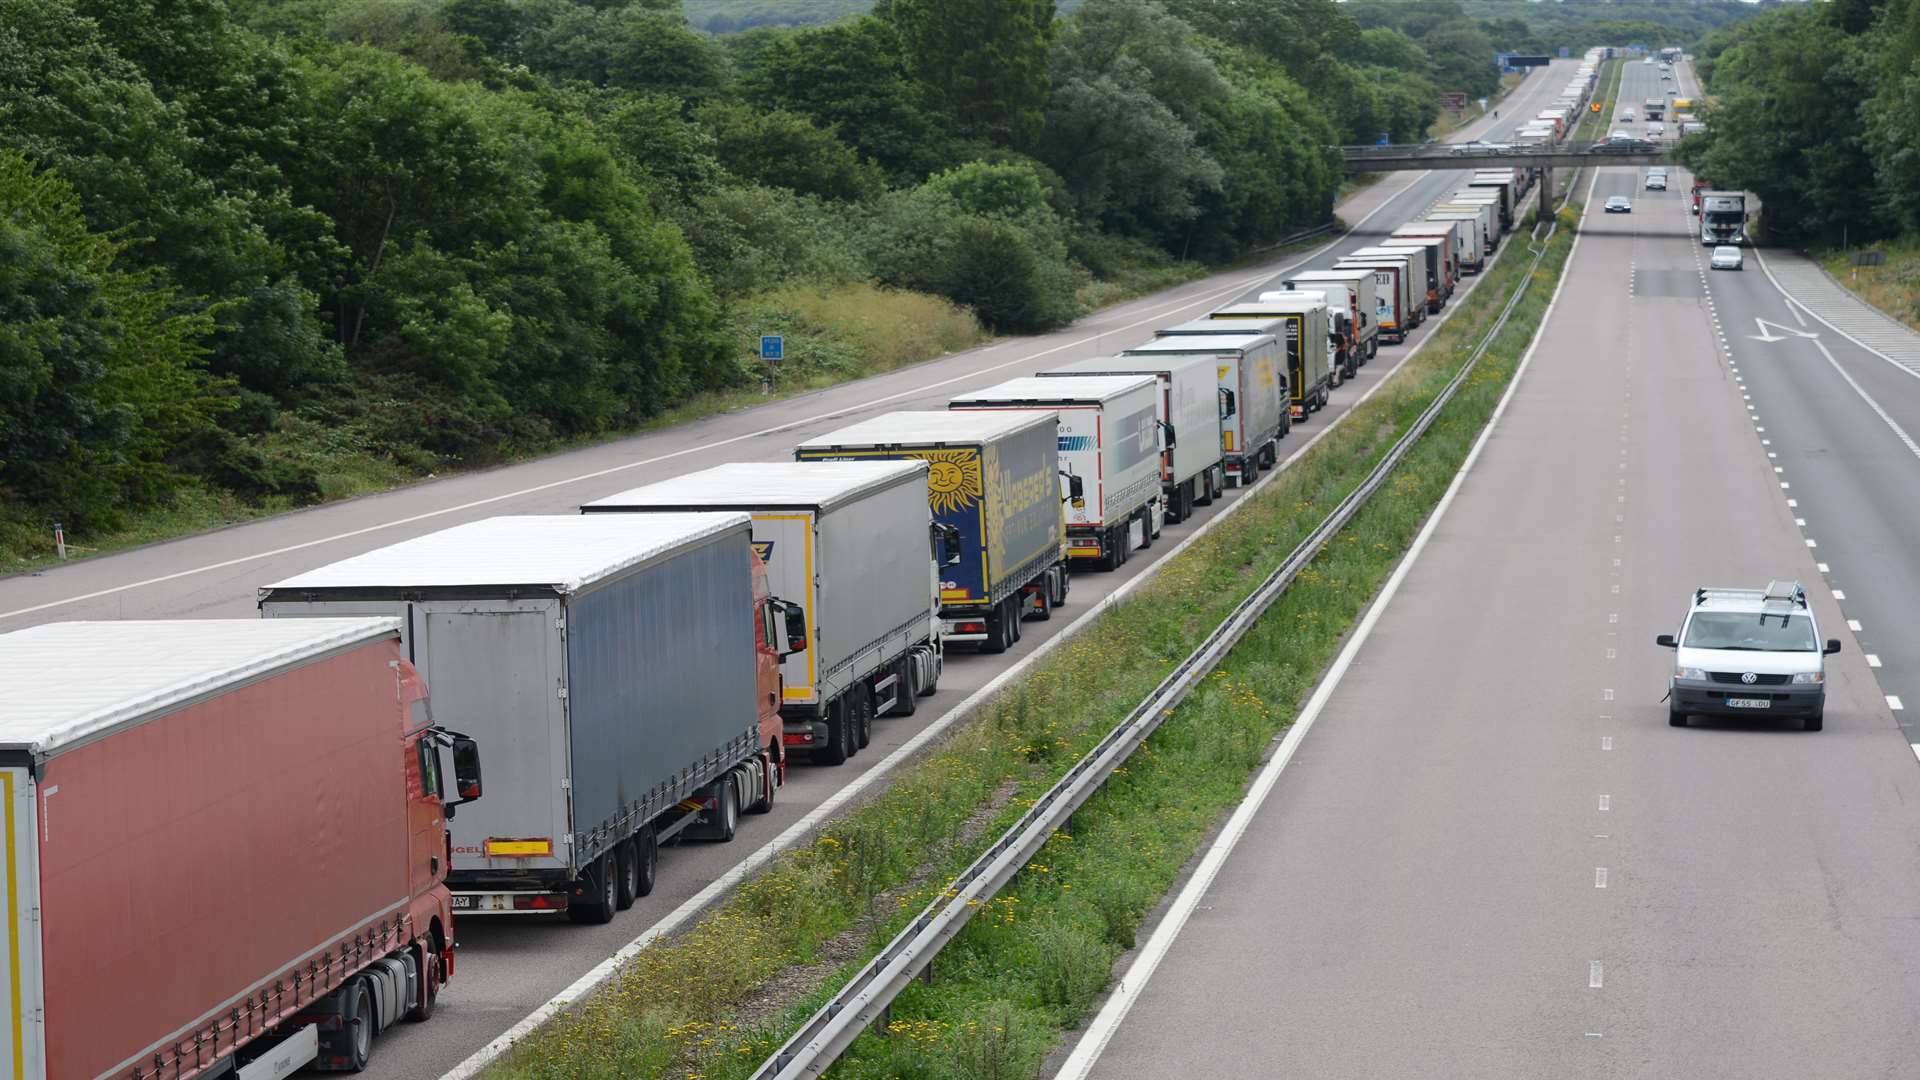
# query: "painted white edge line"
(694, 905)
(1794, 301)
(1129, 987)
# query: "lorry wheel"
(728, 810)
(430, 980)
(996, 641)
(1016, 612)
(647, 850)
(1203, 489)
(1146, 530)
(906, 690)
(1045, 610)
(863, 706)
(598, 893)
(356, 1035)
(626, 864)
(764, 804)
(1249, 470)
(835, 752)
(1269, 456)
(933, 684)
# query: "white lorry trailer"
(1407, 307)
(852, 544)
(1359, 287)
(1467, 237)
(1251, 370)
(994, 480)
(1432, 271)
(1109, 438)
(621, 666)
(1341, 357)
(1191, 473)
(1449, 249)
(1311, 376)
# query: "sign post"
(773, 349)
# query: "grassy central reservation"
(715, 1001)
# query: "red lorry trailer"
(225, 845)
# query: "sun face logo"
(953, 479)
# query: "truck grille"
(1734, 677)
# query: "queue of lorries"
(239, 847)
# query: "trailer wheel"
(1045, 610)
(1016, 610)
(626, 864)
(1270, 454)
(1064, 577)
(600, 894)
(1145, 518)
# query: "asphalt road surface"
(508, 967)
(1491, 856)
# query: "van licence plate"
(1749, 703)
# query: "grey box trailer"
(1467, 236)
(1393, 293)
(1191, 472)
(850, 543)
(1433, 266)
(1341, 356)
(1359, 283)
(995, 479)
(1447, 233)
(1311, 373)
(1251, 369)
(1109, 438)
(1506, 189)
(612, 666)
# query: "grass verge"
(1594, 126)
(1893, 286)
(714, 1001)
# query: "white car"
(1656, 128)
(1726, 257)
(1749, 652)
(1626, 116)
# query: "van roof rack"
(1789, 593)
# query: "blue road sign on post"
(773, 346)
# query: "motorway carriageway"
(1488, 854)
(509, 967)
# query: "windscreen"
(1750, 632)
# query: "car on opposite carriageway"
(1749, 652)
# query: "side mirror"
(1666, 641)
(1168, 428)
(1076, 489)
(796, 617)
(1226, 403)
(946, 541)
(466, 770)
(1833, 646)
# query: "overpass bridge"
(1420, 157)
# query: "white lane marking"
(1801, 522)
(1893, 702)
(1916, 749)
(1128, 988)
(1794, 306)
(1793, 502)
(1811, 542)
(1853, 625)
(1606, 695)
(1606, 802)
(1599, 877)
(1778, 469)
(1873, 660)
(1820, 566)
(1610, 654)
(1606, 742)
(1784, 485)
(1613, 618)
(1839, 595)
(241, 560)
(1593, 975)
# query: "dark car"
(1619, 205)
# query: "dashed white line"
(1599, 877)
(1811, 542)
(1820, 566)
(1873, 660)
(1838, 595)
(1893, 702)
(1593, 975)
(1606, 802)
(1853, 625)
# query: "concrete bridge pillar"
(1546, 193)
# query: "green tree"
(851, 77)
(983, 62)
(630, 47)
(101, 382)
(784, 149)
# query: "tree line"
(247, 241)
(1816, 109)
